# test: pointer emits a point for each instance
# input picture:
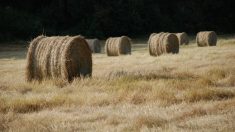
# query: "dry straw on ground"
(192, 91)
(206, 38)
(116, 46)
(94, 45)
(58, 57)
(183, 38)
(163, 43)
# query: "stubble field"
(191, 91)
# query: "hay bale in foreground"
(94, 45)
(163, 43)
(116, 46)
(206, 38)
(58, 57)
(183, 38)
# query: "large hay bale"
(206, 38)
(116, 46)
(58, 57)
(183, 38)
(163, 43)
(94, 45)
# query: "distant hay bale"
(163, 43)
(183, 38)
(58, 57)
(94, 45)
(206, 38)
(116, 46)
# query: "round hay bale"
(58, 57)
(150, 42)
(163, 43)
(116, 46)
(94, 45)
(183, 38)
(206, 38)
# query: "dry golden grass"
(191, 91)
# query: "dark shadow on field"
(13, 54)
(13, 51)
(140, 47)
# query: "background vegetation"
(24, 19)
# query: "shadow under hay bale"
(56, 57)
(163, 43)
(206, 38)
(94, 45)
(116, 46)
(182, 38)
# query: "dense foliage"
(24, 19)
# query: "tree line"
(25, 19)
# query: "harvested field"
(190, 91)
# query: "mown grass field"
(191, 91)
